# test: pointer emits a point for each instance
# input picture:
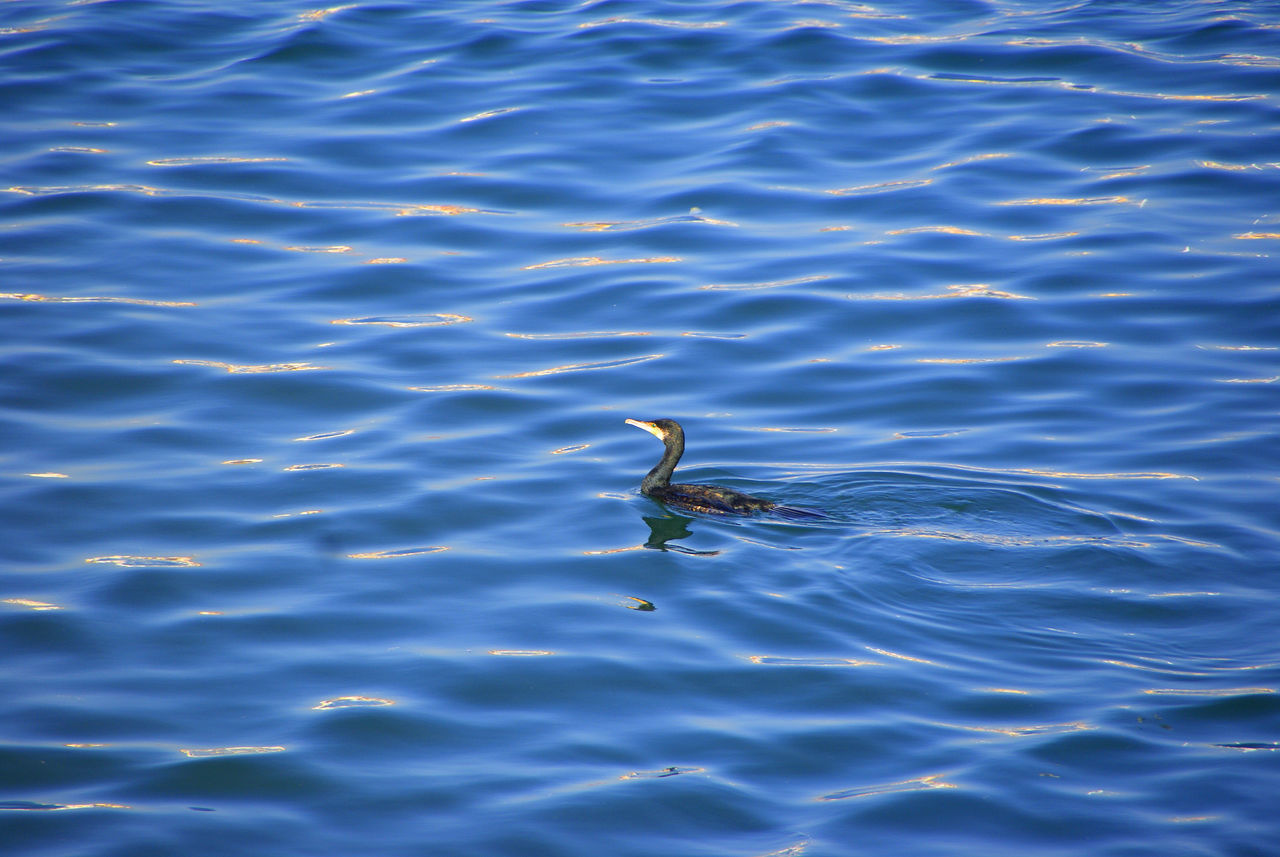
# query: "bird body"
(711, 500)
(708, 499)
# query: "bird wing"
(700, 498)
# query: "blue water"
(319, 519)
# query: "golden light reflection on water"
(803, 845)
(973, 290)
(1029, 471)
(320, 14)
(29, 190)
(655, 22)
(1129, 48)
(326, 435)
(766, 284)
(48, 475)
(970, 536)
(20, 296)
(584, 367)
(30, 604)
(35, 28)
(917, 39)
(1024, 731)
(425, 320)
(945, 230)
(55, 807)
(145, 561)
(608, 551)
(229, 751)
(583, 334)
(1219, 165)
(661, 773)
(967, 360)
(250, 369)
(452, 388)
(1208, 691)
(987, 156)
(396, 209)
(927, 433)
(1046, 236)
(194, 162)
(933, 781)
(1165, 667)
(1168, 96)
(352, 702)
(779, 661)
(809, 23)
(879, 187)
(589, 261)
(398, 553)
(333, 249)
(1189, 594)
(489, 114)
(693, 217)
(961, 231)
(1049, 200)
(567, 449)
(520, 653)
(889, 654)
(1125, 172)
(420, 209)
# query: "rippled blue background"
(319, 517)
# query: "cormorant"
(710, 499)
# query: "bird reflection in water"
(665, 529)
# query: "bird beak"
(649, 427)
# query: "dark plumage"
(710, 499)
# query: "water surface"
(320, 519)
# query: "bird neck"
(660, 476)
